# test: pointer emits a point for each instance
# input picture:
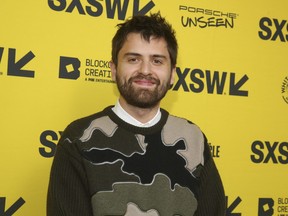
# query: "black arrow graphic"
(144, 10)
(1, 54)
(234, 87)
(230, 209)
(12, 208)
(15, 68)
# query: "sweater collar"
(121, 113)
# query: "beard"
(139, 97)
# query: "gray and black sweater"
(105, 166)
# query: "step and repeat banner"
(232, 81)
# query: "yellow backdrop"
(232, 80)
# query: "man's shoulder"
(181, 130)
(183, 127)
(76, 127)
(181, 122)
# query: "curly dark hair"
(154, 25)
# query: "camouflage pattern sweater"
(105, 166)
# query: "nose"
(145, 67)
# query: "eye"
(157, 61)
(133, 60)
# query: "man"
(135, 158)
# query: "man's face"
(143, 73)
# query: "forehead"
(137, 44)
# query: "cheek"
(127, 71)
(122, 73)
(166, 77)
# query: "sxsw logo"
(49, 140)
(69, 68)
(273, 29)
(269, 152)
(15, 64)
(214, 82)
(96, 8)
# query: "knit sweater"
(105, 166)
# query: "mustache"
(144, 77)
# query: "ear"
(113, 70)
(173, 72)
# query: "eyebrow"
(137, 54)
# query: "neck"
(143, 115)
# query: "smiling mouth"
(145, 81)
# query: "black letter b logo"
(69, 68)
(265, 207)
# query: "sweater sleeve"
(68, 192)
(211, 200)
